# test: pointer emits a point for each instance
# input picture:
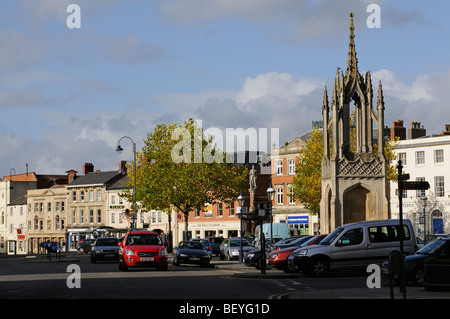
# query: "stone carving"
(252, 179)
(360, 168)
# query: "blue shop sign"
(298, 220)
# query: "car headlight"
(163, 252)
(300, 253)
(129, 252)
(250, 255)
(272, 256)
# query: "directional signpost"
(415, 185)
(404, 184)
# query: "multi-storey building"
(13, 187)
(286, 209)
(87, 203)
(46, 217)
(17, 217)
(425, 159)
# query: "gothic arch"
(359, 203)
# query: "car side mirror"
(121, 243)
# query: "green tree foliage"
(307, 184)
(180, 167)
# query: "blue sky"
(68, 95)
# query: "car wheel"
(222, 257)
(418, 277)
(318, 267)
(294, 269)
(228, 257)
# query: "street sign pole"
(400, 202)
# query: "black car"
(191, 252)
(105, 248)
(435, 252)
(215, 244)
(253, 258)
(85, 245)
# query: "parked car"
(215, 244)
(354, 245)
(254, 258)
(438, 250)
(293, 243)
(278, 259)
(84, 246)
(142, 248)
(191, 252)
(205, 242)
(105, 248)
(269, 242)
(230, 248)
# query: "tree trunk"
(186, 224)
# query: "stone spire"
(352, 62)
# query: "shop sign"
(298, 219)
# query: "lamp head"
(270, 192)
(241, 200)
(119, 149)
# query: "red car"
(278, 259)
(141, 248)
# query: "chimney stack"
(88, 168)
(447, 130)
(397, 129)
(123, 167)
(72, 175)
(416, 131)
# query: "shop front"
(299, 224)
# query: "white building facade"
(425, 159)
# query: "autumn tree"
(307, 183)
(181, 167)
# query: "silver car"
(230, 248)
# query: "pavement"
(241, 271)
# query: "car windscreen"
(143, 239)
(237, 243)
(107, 242)
(216, 240)
(191, 245)
(332, 236)
(432, 247)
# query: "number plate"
(109, 255)
(147, 258)
(194, 258)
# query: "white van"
(353, 246)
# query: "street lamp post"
(119, 150)
(241, 200)
(424, 204)
(270, 195)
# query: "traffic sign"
(415, 185)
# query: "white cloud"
(424, 99)
(275, 86)
(419, 90)
(269, 101)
